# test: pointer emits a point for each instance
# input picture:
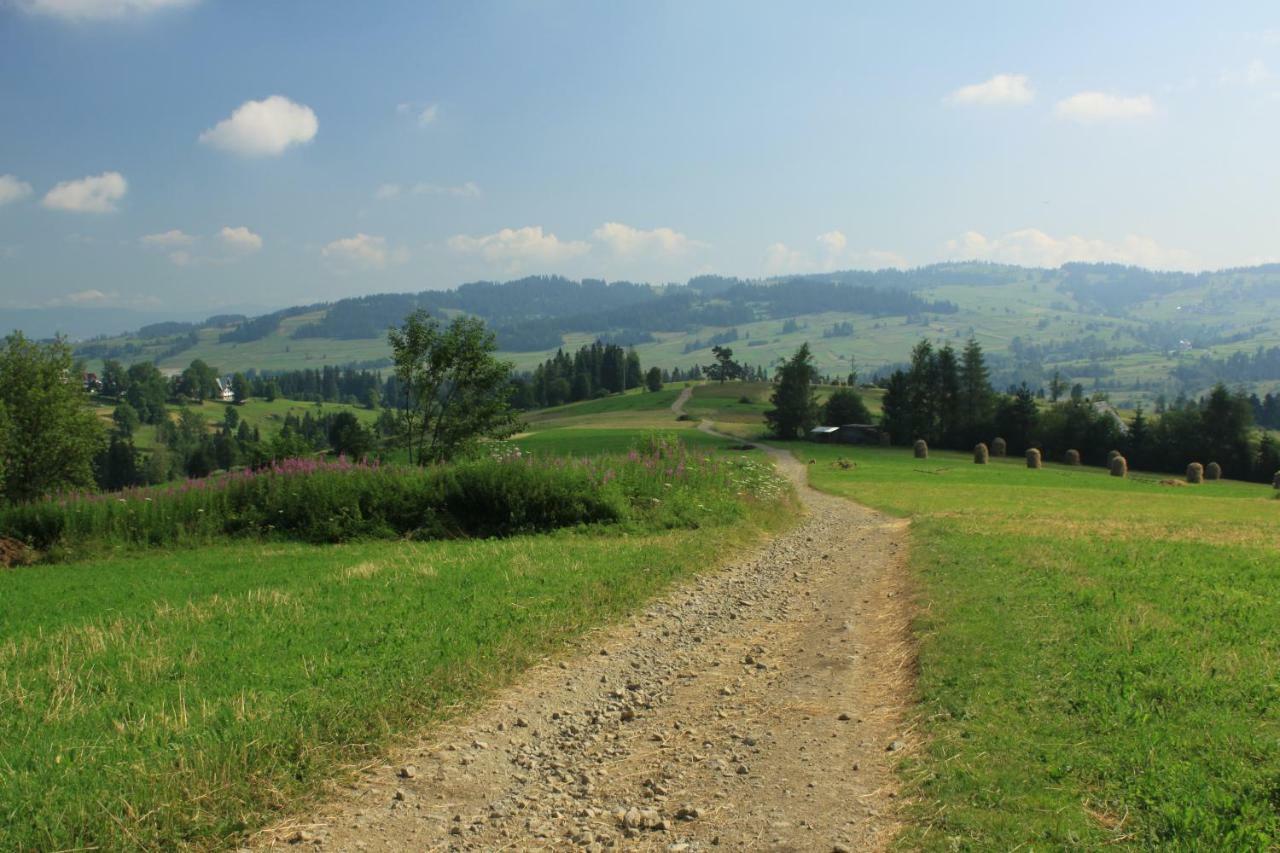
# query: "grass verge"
(1098, 657)
(183, 697)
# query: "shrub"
(1119, 467)
(1213, 471)
(921, 449)
(659, 484)
(999, 447)
(1195, 473)
(1033, 458)
(980, 454)
(1073, 457)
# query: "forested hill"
(532, 314)
(1113, 328)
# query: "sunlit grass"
(1098, 656)
(181, 697)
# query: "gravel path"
(757, 706)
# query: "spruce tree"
(795, 408)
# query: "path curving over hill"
(760, 705)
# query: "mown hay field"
(1099, 657)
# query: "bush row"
(657, 484)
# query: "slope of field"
(1099, 657)
(174, 698)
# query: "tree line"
(946, 398)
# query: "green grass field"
(1098, 659)
(180, 697)
(267, 416)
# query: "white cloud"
(181, 258)
(428, 115)
(170, 239)
(1000, 89)
(12, 189)
(628, 241)
(514, 247)
(387, 191)
(84, 10)
(1089, 107)
(1033, 247)
(467, 190)
(833, 253)
(96, 194)
(82, 297)
(834, 242)
(263, 128)
(240, 239)
(780, 258)
(879, 259)
(1254, 74)
(363, 251)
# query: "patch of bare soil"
(762, 705)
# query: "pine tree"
(795, 407)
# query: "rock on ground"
(760, 705)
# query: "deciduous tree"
(53, 435)
(455, 391)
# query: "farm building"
(846, 434)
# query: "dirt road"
(758, 706)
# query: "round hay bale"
(921, 449)
(1213, 471)
(980, 454)
(999, 447)
(1275, 481)
(1033, 458)
(1119, 467)
(1073, 457)
(1111, 454)
(1195, 473)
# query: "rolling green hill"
(1131, 332)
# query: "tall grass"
(658, 484)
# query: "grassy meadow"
(182, 695)
(1098, 659)
(267, 416)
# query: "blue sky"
(192, 154)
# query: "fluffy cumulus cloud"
(171, 239)
(1090, 107)
(95, 194)
(780, 258)
(263, 128)
(630, 242)
(514, 248)
(1000, 89)
(12, 189)
(240, 239)
(229, 245)
(363, 251)
(88, 10)
(1033, 247)
(833, 242)
(833, 253)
